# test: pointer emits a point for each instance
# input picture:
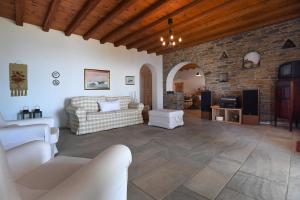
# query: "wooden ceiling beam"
(286, 13)
(81, 15)
(20, 11)
(50, 14)
(135, 20)
(110, 16)
(247, 10)
(132, 36)
(188, 22)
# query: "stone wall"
(267, 41)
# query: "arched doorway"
(146, 86)
(186, 81)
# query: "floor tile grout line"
(292, 154)
(237, 172)
(143, 190)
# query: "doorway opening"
(187, 82)
(146, 90)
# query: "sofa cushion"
(50, 174)
(89, 104)
(107, 106)
(100, 115)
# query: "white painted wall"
(190, 80)
(53, 51)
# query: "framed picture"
(95, 79)
(129, 80)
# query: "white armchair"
(17, 132)
(28, 172)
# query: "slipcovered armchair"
(17, 132)
(37, 176)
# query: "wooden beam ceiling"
(141, 43)
(114, 13)
(135, 20)
(139, 24)
(131, 36)
(50, 14)
(236, 27)
(82, 14)
(19, 10)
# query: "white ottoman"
(166, 118)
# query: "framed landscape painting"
(129, 80)
(95, 79)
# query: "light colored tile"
(295, 166)
(268, 163)
(182, 193)
(239, 151)
(165, 179)
(294, 189)
(228, 194)
(256, 187)
(210, 181)
(135, 193)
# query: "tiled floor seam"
(292, 155)
(236, 173)
(143, 190)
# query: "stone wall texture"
(268, 41)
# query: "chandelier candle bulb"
(161, 39)
(180, 40)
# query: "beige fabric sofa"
(85, 117)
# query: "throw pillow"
(106, 106)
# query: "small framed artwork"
(129, 80)
(95, 79)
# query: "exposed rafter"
(135, 20)
(132, 36)
(20, 10)
(234, 27)
(50, 14)
(141, 43)
(85, 10)
(112, 14)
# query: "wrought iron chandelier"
(170, 40)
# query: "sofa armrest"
(104, 177)
(26, 157)
(46, 120)
(79, 112)
(138, 106)
(13, 136)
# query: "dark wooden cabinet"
(287, 101)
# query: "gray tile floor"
(201, 160)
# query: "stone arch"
(174, 70)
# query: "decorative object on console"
(18, 79)
(250, 105)
(25, 113)
(129, 80)
(224, 55)
(251, 60)
(223, 77)
(37, 113)
(96, 79)
(288, 44)
(229, 102)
